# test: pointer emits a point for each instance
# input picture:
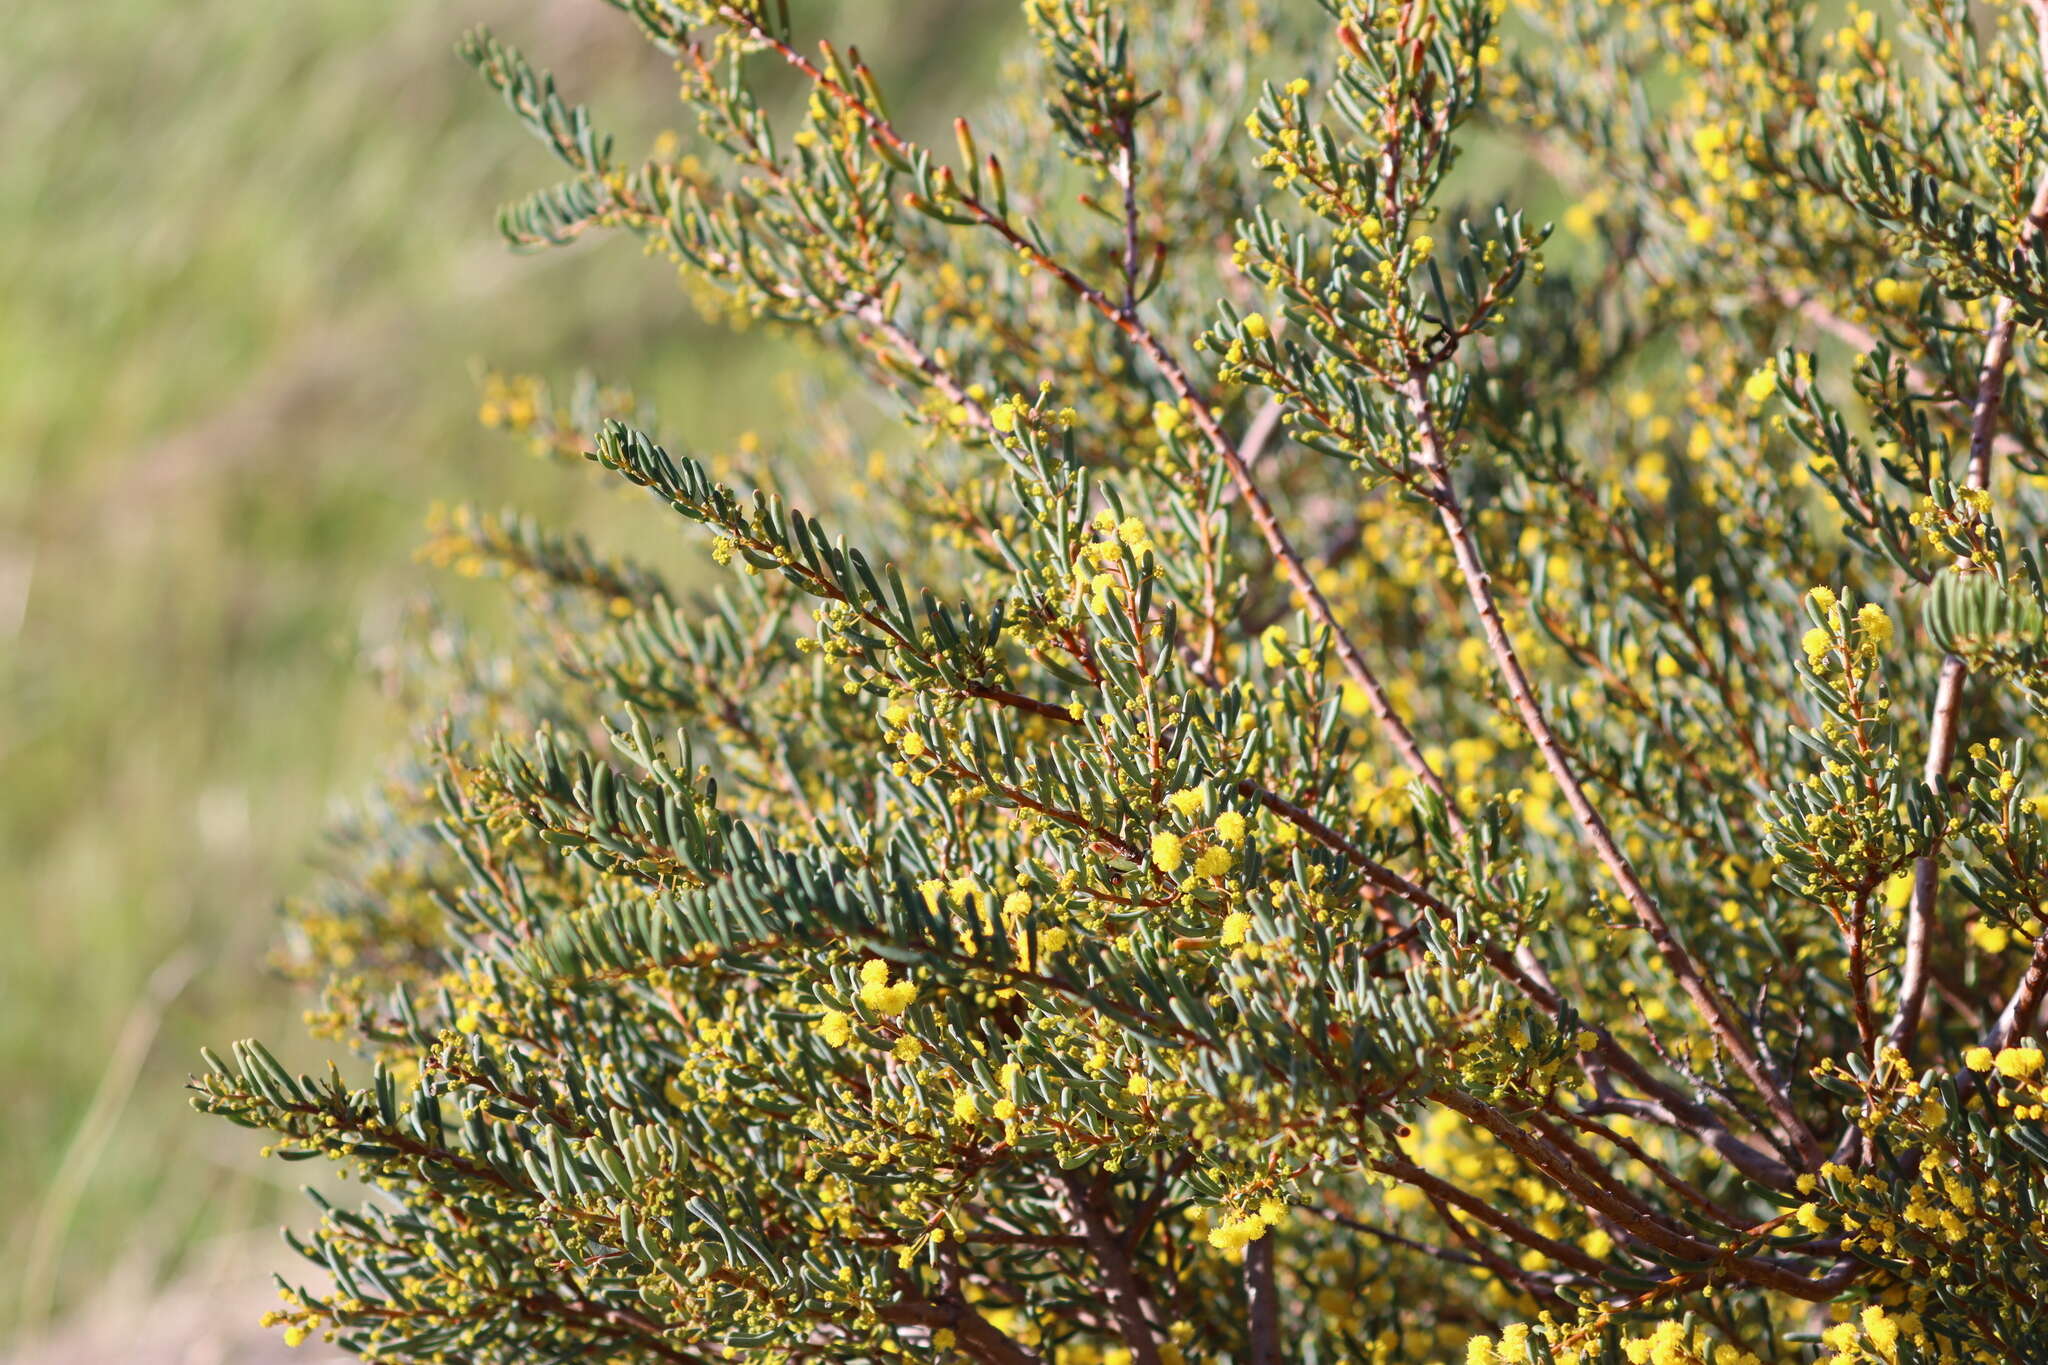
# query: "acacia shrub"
(1352, 780)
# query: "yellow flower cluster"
(2013, 1063)
(1233, 1235)
(879, 995)
(1166, 851)
(1668, 1343)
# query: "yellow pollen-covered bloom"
(2019, 1063)
(877, 992)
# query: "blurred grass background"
(247, 277)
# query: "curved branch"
(1948, 695)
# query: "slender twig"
(1435, 461)
(1562, 1253)
(1948, 695)
(1664, 1174)
(2026, 998)
(1127, 174)
(1574, 1170)
(1375, 872)
(1262, 1302)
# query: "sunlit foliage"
(1360, 780)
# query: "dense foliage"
(1356, 782)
